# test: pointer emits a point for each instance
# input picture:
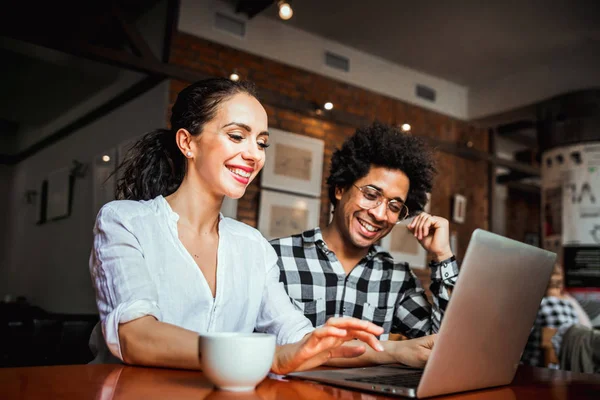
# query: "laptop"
(483, 333)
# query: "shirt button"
(446, 274)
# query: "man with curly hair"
(378, 178)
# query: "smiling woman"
(166, 264)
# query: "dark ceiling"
(466, 42)
(41, 84)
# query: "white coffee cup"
(236, 361)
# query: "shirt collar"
(314, 237)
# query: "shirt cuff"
(126, 312)
(298, 335)
(446, 270)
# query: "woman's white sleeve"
(277, 313)
(124, 287)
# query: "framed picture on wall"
(294, 163)
(283, 214)
(459, 208)
(59, 189)
(43, 205)
(403, 246)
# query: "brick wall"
(456, 175)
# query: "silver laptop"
(486, 325)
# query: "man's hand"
(433, 233)
(325, 343)
(414, 352)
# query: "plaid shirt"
(377, 289)
(553, 313)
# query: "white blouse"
(140, 267)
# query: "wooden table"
(113, 382)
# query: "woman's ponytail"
(153, 166)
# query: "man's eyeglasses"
(371, 198)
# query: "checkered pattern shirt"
(553, 313)
(378, 289)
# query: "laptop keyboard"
(410, 380)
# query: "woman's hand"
(325, 343)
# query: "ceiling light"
(285, 10)
(234, 76)
(106, 158)
(405, 127)
(328, 106)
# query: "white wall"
(49, 263)
(276, 41)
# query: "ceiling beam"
(159, 70)
(524, 187)
(252, 7)
(514, 127)
(170, 28)
(523, 140)
(127, 95)
(118, 58)
(516, 132)
(135, 39)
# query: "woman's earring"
(189, 154)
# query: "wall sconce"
(234, 76)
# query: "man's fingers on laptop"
(429, 340)
(359, 329)
(415, 352)
(348, 351)
(366, 338)
(354, 324)
(326, 334)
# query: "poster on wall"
(294, 163)
(282, 214)
(571, 210)
(59, 194)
